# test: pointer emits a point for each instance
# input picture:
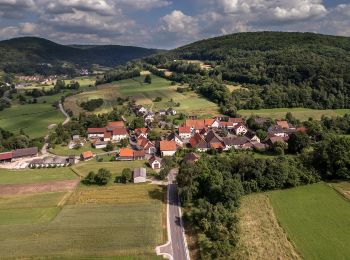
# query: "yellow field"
(260, 236)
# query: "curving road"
(176, 248)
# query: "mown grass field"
(35, 175)
(302, 114)
(119, 222)
(34, 119)
(29, 209)
(115, 167)
(190, 102)
(316, 218)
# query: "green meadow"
(316, 219)
(144, 94)
(302, 114)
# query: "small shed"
(139, 175)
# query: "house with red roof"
(119, 134)
(86, 155)
(198, 142)
(96, 132)
(185, 132)
(146, 145)
(141, 132)
(126, 154)
(167, 148)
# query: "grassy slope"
(123, 220)
(144, 94)
(299, 113)
(316, 218)
(35, 176)
(260, 236)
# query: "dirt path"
(64, 113)
(54, 186)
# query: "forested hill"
(24, 51)
(281, 69)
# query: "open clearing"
(65, 151)
(316, 218)
(299, 113)
(190, 102)
(260, 236)
(116, 222)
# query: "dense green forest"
(31, 55)
(277, 69)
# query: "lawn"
(35, 175)
(92, 225)
(63, 150)
(190, 102)
(299, 113)
(316, 218)
(115, 167)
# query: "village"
(194, 136)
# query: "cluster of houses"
(18, 154)
(150, 116)
(113, 132)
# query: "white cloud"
(143, 4)
(178, 22)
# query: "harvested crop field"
(54, 186)
(260, 236)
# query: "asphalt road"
(178, 243)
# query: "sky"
(166, 24)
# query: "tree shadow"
(158, 194)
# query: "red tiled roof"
(226, 124)
(96, 130)
(115, 124)
(168, 146)
(195, 140)
(153, 159)
(216, 145)
(120, 131)
(140, 153)
(195, 123)
(209, 122)
(126, 152)
(5, 156)
(235, 119)
(87, 154)
(283, 124)
(107, 134)
(239, 125)
(139, 131)
(184, 130)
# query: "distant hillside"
(281, 69)
(19, 52)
